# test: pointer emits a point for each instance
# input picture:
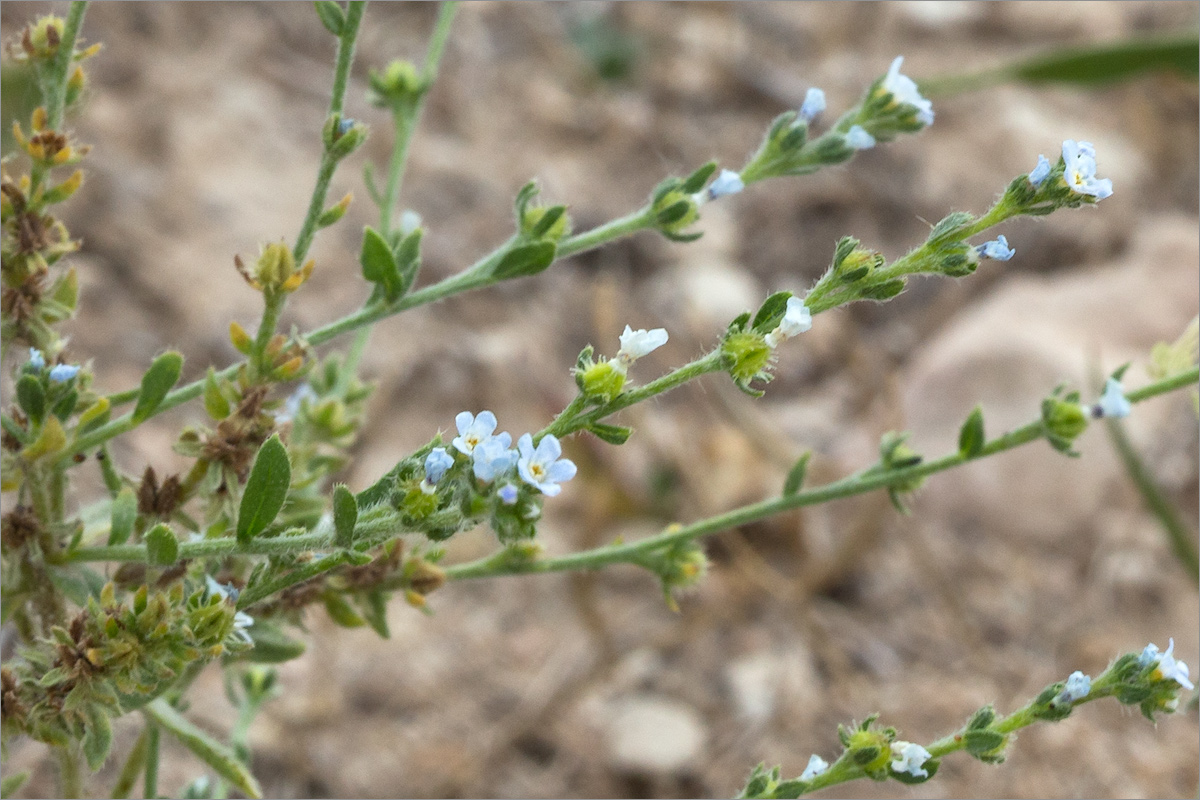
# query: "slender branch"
(56, 94)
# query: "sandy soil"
(205, 120)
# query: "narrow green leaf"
(971, 437)
(265, 490)
(771, 312)
(341, 612)
(221, 758)
(374, 606)
(345, 515)
(795, 476)
(332, 16)
(215, 402)
(695, 182)
(124, 514)
(11, 783)
(272, 645)
(158, 380)
(885, 290)
(162, 548)
(97, 739)
(379, 263)
(32, 398)
(613, 434)
(527, 259)
(408, 258)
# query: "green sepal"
(795, 476)
(124, 515)
(524, 198)
(982, 742)
(379, 265)
(162, 548)
(215, 402)
(546, 221)
(32, 398)
(884, 290)
(982, 718)
(332, 16)
(696, 181)
(374, 608)
(664, 188)
(674, 212)
(97, 737)
(265, 491)
(771, 312)
(971, 437)
(613, 434)
(408, 258)
(930, 766)
(341, 612)
(528, 259)
(949, 225)
(1119, 372)
(345, 515)
(65, 405)
(682, 238)
(156, 383)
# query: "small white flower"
(472, 430)
(36, 359)
(436, 464)
(542, 468)
(1039, 173)
(1080, 174)
(1113, 402)
(492, 457)
(859, 139)
(904, 90)
(635, 344)
(1078, 686)
(728, 182)
(816, 765)
(796, 320)
(814, 104)
(241, 621)
(910, 757)
(1173, 669)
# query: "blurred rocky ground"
(1008, 575)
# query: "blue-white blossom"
(1039, 173)
(816, 765)
(635, 344)
(542, 468)
(858, 138)
(436, 464)
(1077, 687)
(814, 104)
(728, 182)
(904, 90)
(294, 403)
(492, 457)
(241, 621)
(1168, 665)
(1113, 402)
(796, 320)
(344, 125)
(63, 373)
(1080, 173)
(508, 494)
(910, 757)
(472, 430)
(36, 359)
(997, 249)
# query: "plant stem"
(55, 85)
(133, 767)
(589, 240)
(70, 778)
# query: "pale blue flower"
(508, 494)
(226, 591)
(492, 457)
(1149, 655)
(728, 182)
(241, 621)
(858, 138)
(814, 104)
(816, 765)
(1078, 686)
(904, 90)
(36, 359)
(796, 320)
(910, 757)
(1039, 173)
(63, 373)
(294, 403)
(1080, 174)
(436, 464)
(472, 430)
(1113, 402)
(344, 125)
(542, 468)
(635, 344)
(1172, 669)
(997, 249)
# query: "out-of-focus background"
(205, 121)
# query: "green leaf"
(374, 606)
(771, 312)
(613, 434)
(982, 741)
(11, 783)
(379, 263)
(265, 490)
(32, 398)
(158, 380)
(341, 612)
(271, 645)
(546, 221)
(162, 548)
(332, 16)
(345, 515)
(528, 259)
(971, 437)
(221, 758)
(795, 476)
(408, 258)
(97, 738)
(124, 515)
(695, 182)
(884, 290)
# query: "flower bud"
(747, 354)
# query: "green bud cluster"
(675, 204)
(398, 86)
(1063, 420)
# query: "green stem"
(273, 302)
(299, 575)
(70, 777)
(133, 767)
(1178, 534)
(56, 96)
(622, 226)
